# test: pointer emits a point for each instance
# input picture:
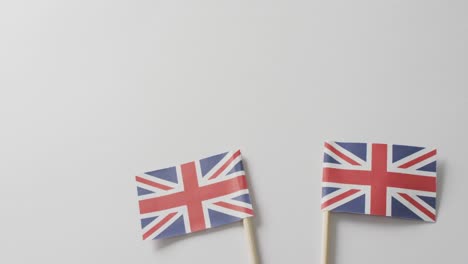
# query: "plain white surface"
(93, 92)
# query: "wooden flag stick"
(250, 234)
(326, 216)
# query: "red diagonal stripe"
(417, 205)
(158, 225)
(339, 197)
(419, 159)
(235, 207)
(225, 165)
(341, 155)
(154, 184)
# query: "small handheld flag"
(380, 179)
(193, 196)
(377, 179)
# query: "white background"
(93, 92)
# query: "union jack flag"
(380, 179)
(193, 196)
